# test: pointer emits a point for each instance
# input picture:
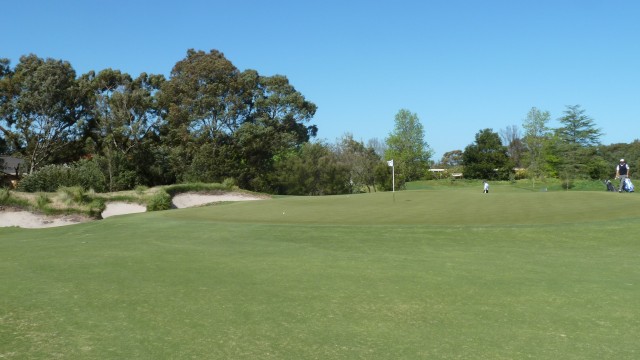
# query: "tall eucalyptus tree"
(42, 109)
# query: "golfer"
(486, 187)
(622, 172)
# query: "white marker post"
(393, 175)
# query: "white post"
(393, 179)
(393, 175)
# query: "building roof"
(10, 165)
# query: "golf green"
(446, 274)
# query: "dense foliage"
(210, 122)
(570, 152)
(487, 158)
(407, 148)
(83, 174)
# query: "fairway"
(445, 274)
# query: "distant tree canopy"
(578, 138)
(570, 151)
(512, 139)
(578, 128)
(211, 122)
(487, 158)
(451, 159)
(407, 148)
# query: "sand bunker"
(187, 200)
(25, 219)
(121, 208)
(179, 201)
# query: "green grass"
(426, 274)
(550, 184)
(197, 187)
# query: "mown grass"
(430, 274)
(550, 184)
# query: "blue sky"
(460, 65)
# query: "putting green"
(453, 208)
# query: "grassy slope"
(418, 274)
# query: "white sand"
(122, 208)
(187, 200)
(25, 219)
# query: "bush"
(83, 173)
(87, 174)
(229, 183)
(159, 201)
(96, 207)
(124, 180)
(48, 179)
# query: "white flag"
(390, 162)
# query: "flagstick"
(393, 179)
(393, 182)
(393, 175)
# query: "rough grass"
(412, 275)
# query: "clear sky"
(460, 65)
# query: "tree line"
(571, 151)
(211, 122)
(208, 122)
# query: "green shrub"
(124, 180)
(84, 173)
(48, 179)
(96, 207)
(87, 174)
(229, 183)
(159, 201)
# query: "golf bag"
(628, 185)
(609, 185)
